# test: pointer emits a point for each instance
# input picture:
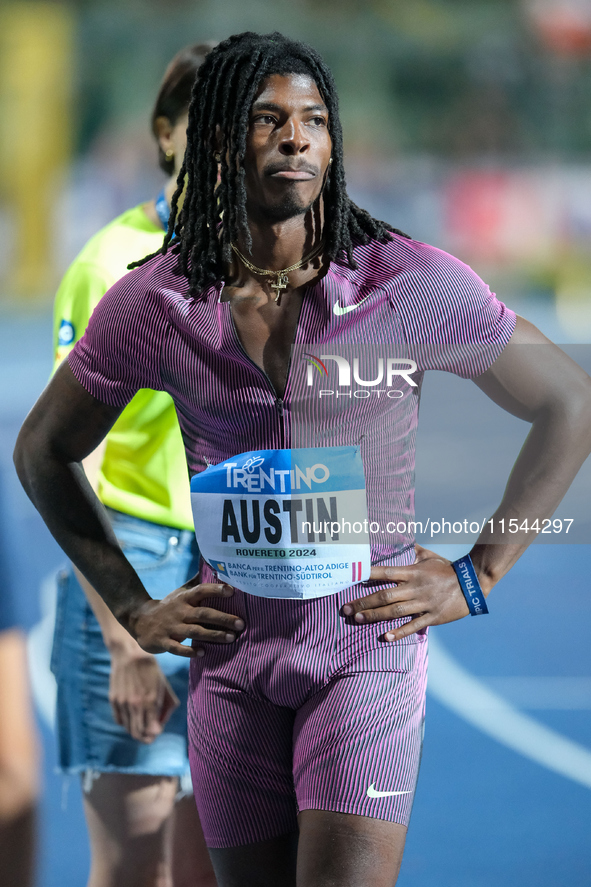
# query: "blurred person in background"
(121, 712)
(18, 748)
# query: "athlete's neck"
(277, 245)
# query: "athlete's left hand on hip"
(428, 590)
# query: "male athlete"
(306, 711)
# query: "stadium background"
(468, 124)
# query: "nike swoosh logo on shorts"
(372, 793)
(338, 310)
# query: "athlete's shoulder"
(130, 322)
(434, 295)
(156, 282)
(419, 279)
(399, 258)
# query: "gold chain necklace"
(281, 280)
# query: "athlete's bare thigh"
(348, 850)
(333, 850)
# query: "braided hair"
(224, 91)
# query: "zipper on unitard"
(278, 400)
(281, 410)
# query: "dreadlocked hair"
(226, 86)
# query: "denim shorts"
(88, 737)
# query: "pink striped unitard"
(306, 710)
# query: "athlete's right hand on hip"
(160, 626)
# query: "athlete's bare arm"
(536, 381)
(65, 425)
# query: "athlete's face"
(288, 147)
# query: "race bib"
(285, 523)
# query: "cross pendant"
(281, 283)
